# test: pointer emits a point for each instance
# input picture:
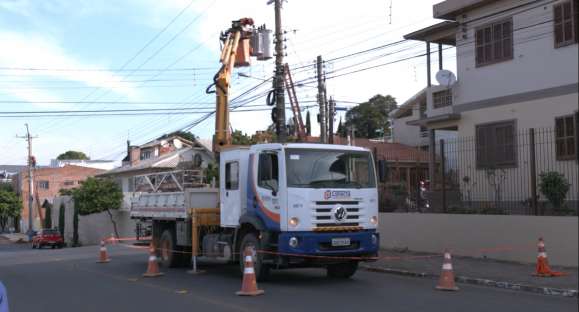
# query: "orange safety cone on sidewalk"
(543, 269)
(446, 281)
(103, 255)
(249, 284)
(153, 266)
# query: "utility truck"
(296, 204)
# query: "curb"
(570, 293)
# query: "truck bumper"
(365, 243)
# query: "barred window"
(565, 148)
(442, 98)
(495, 145)
(43, 185)
(494, 43)
(565, 16)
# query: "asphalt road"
(70, 280)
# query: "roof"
(449, 9)
(12, 168)
(409, 104)
(434, 119)
(385, 151)
(68, 169)
(166, 161)
(443, 33)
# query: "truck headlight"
(293, 242)
(294, 222)
(374, 220)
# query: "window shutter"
(558, 24)
(508, 39)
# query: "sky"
(82, 55)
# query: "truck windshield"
(309, 168)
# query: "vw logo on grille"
(340, 213)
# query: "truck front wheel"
(261, 270)
(342, 270)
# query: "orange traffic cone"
(113, 239)
(103, 256)
(543, 269)
(249, 284)
(446, 281)
(153, 266)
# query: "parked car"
(47, 237)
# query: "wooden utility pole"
(322, 102)
(31, 165)
(279, 75)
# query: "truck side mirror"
(382, 170)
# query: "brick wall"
(47, 184)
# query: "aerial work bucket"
(243, 58)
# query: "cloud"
(31, 51)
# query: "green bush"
(554, 187)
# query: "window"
(43, 185)
(232, 176)
(494, 43)
(68, 183)
(565, 138)
(145, 155)
(495, 145)
(268, 176)
(310, 168)
(442, 98)
(565, 23)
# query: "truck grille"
(323, 216)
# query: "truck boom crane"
(240, 30)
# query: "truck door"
(268, 187)
(230, 192)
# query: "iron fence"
(530, 172)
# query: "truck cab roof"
(316, 146)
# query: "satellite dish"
(445, 77)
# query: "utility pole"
(279, 74)
(31, 164)
(322, 102)
(332, 110)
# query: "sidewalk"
(503, 274)
(14, 237)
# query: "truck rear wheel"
(342, 270)
(261, 270)
(168, 253)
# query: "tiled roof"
(386, 151)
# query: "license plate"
(51, 242)
(336, 242)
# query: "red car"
(47, 237)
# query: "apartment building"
(517, 69)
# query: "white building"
(517, 69)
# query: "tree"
(240, 138)
(48, 216)
(61, 219)
(98, 195)
(308, 124)
(182, 134)
(370, 119)
(10, 207)
(341, 129)
(72, 155)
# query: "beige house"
(517, 70)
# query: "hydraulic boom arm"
(231, 39)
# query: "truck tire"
(261, 270)
(166, 250)
(342, 270)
